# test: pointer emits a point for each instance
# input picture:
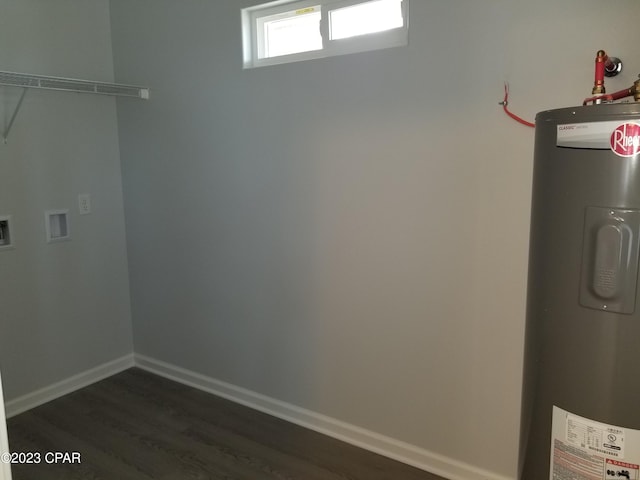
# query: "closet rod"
(26, 80)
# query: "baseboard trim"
(374, 442)
(68, 385)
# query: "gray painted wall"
(65, 307)
(350, 234)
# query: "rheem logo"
(625, 140)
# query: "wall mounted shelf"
(26, 81)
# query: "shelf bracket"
(5, 135)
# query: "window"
(290, 31)
(363, 18)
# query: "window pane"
(298, 32)
(369, 17)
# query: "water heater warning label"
(621, 470)
(584, 449)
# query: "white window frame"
(259, 22)
(252, 48)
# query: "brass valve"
(635, 90)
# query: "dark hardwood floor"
(136, 426)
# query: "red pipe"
(632, 91)
(598, 84)
(627, 92)
(611, 97)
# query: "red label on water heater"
(625, 140)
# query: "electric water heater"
(581, 390)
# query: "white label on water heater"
(587, 135)
(584, 449)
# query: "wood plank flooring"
(138, 426)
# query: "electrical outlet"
(84, 203)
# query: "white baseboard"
(68, 385)
(374, 442)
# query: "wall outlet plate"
(84, 204)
